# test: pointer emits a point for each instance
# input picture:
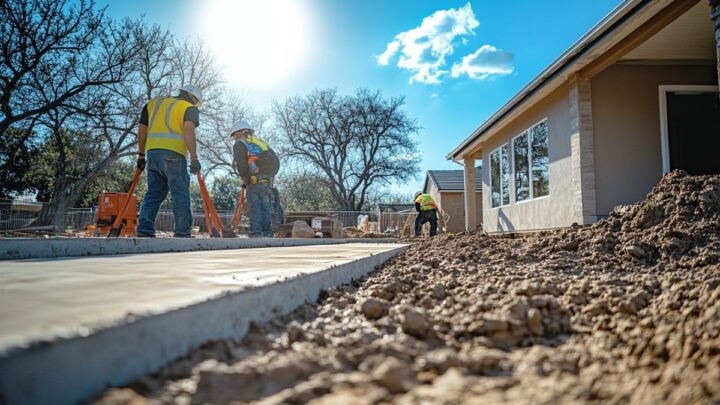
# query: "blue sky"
(482, 52)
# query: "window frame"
(529, 157)
(510, 200)
(529, 170)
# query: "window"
(521, 161)
(505, 162)
(531, 163)
(540, 161)
(495, 178)
(500, 176)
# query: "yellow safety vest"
(165, 125)
(426, 202)
(255, 146)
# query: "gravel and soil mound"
(624, 311)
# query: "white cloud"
(434, 95)
(392, 47)
(484, 62)
(422, 50)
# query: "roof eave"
(568, 59)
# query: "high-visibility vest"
(426, 202)
(255, 147)
(165, 125)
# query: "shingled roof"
(452, 180)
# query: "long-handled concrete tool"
(235, 222)
(212, 219)
(120, 220)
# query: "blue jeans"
(260, 199)
(426, 216)
(166, 171)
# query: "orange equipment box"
(108, 206)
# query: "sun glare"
(257, 42)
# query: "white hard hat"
(195, 91)
(239, 126)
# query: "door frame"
(662, 91)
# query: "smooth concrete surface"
(37, 248)
(71, 327)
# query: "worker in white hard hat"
(166, 135)
(257, 164)
(426, 212)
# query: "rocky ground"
(624, 311)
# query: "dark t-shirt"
(267, 162)
(192, 114)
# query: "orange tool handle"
(121, 214)
(209, 206)
(238, 211)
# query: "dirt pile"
(624, 311)
(677, 225)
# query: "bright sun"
(257, 42)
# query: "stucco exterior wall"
(548, 212)
(433, 191)
(453, 203)
(626, 127)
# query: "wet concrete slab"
(44, 248)
(71, 326)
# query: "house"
(634, 98)
(447, 189)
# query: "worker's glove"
(141, 162)
(195, 166)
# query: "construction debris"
(626, 310)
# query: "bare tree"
(107, 117)
(45, 48)
(357, 142)
(215, 145)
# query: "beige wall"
(453, 203)
(554, 210)
(433, 191)
(626, 128)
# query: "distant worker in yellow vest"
(427, 212)
(166, 135)
(257, 164)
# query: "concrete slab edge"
(74, 370)
(17, 249)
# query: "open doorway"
(690, 129)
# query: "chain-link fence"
(16, 214)
(19, 214)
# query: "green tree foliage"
(225, 191)
(16, 157)
(116, 179)
(305, 191)
(196, 202)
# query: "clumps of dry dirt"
(677, 225)
(624, 311)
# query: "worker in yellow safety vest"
(257, 164)
(166, 134)
(427, 212)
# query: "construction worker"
(166, 134)
(257, 164)
(427, 212)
